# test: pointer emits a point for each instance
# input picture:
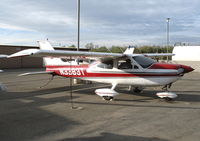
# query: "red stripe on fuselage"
(81, 71)
(72, 66)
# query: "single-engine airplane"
(136, 70)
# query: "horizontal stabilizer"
(26, 52)
(3, 56)
(36, 73)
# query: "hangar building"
(24, 62)
(188, 55)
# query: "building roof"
(28, 47)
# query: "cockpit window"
(66, 59)
(106, 65)
(145, 62)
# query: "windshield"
(145, 62)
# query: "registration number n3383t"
(71, 71)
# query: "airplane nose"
(186, 68)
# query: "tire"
(108, 98)
(137, 90)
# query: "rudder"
(49, 61)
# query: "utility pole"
(167, 20)
(78, 19)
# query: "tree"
(89, 45)
(72, 46)
(116, 49)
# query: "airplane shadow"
(113, 137)
(88, 89)
(43, 91)
(184, 96)
(128, 101)
(145, 97)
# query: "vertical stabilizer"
(45, 45)
(129, 50)
(50, 61)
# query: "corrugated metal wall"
(22, 62)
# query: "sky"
(103, 22)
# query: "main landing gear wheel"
(137, 90)
(108, 98)
(168, 99)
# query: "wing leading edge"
(61, 53)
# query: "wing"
(60, 53)
(63, 54)
(48, 51)
(158, 54)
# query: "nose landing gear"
(166, 87)
(168, 96)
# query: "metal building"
(23, 62)
(188, 55)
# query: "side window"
(66, 59)
(125, 64)
(135, 67)
(106, 65)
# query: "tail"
(129, 50)
(45, 45)
(50, 61)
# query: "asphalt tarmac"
(31, 113)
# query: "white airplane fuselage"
(157, 74)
